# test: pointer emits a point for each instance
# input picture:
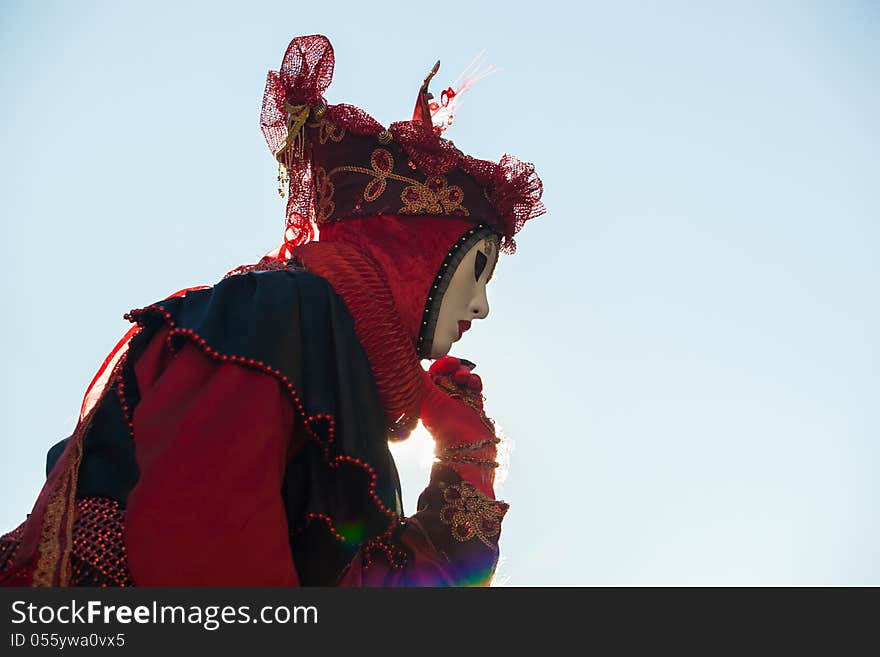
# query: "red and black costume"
(237, 435)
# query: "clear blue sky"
(684, 348)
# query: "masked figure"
(238, 434)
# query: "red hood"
(409, 251)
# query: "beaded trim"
(463, 458)
(441, 283)
(312, 422)
(383, 544)
(99, 555)
(123, 400)
(9, 544)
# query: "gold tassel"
(283, 179)
(294, 145)
(296, 119)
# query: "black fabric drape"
(294, 322)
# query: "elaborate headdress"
(340, 163)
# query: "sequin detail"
(435, 196)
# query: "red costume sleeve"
(451, 541)
(453, 538)
(212, 440)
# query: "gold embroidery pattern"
(435, 196)
(470, 513)
(328, 131)
(323, 195)
(464, 458)
(382, 166)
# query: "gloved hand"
(452, 411)
(458, 370)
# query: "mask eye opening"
(479, 264)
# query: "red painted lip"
(462, 327)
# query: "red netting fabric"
(268, 262)
(306, 72)
(355, 120)
(514, 189)
(98, 557)
(429, 152)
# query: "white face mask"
(465, 298)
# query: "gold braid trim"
(70, 515)
(61, 506)
(469, 447)
(60, 509)
(483, 463)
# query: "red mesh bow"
(514, 189)
(306, 72)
